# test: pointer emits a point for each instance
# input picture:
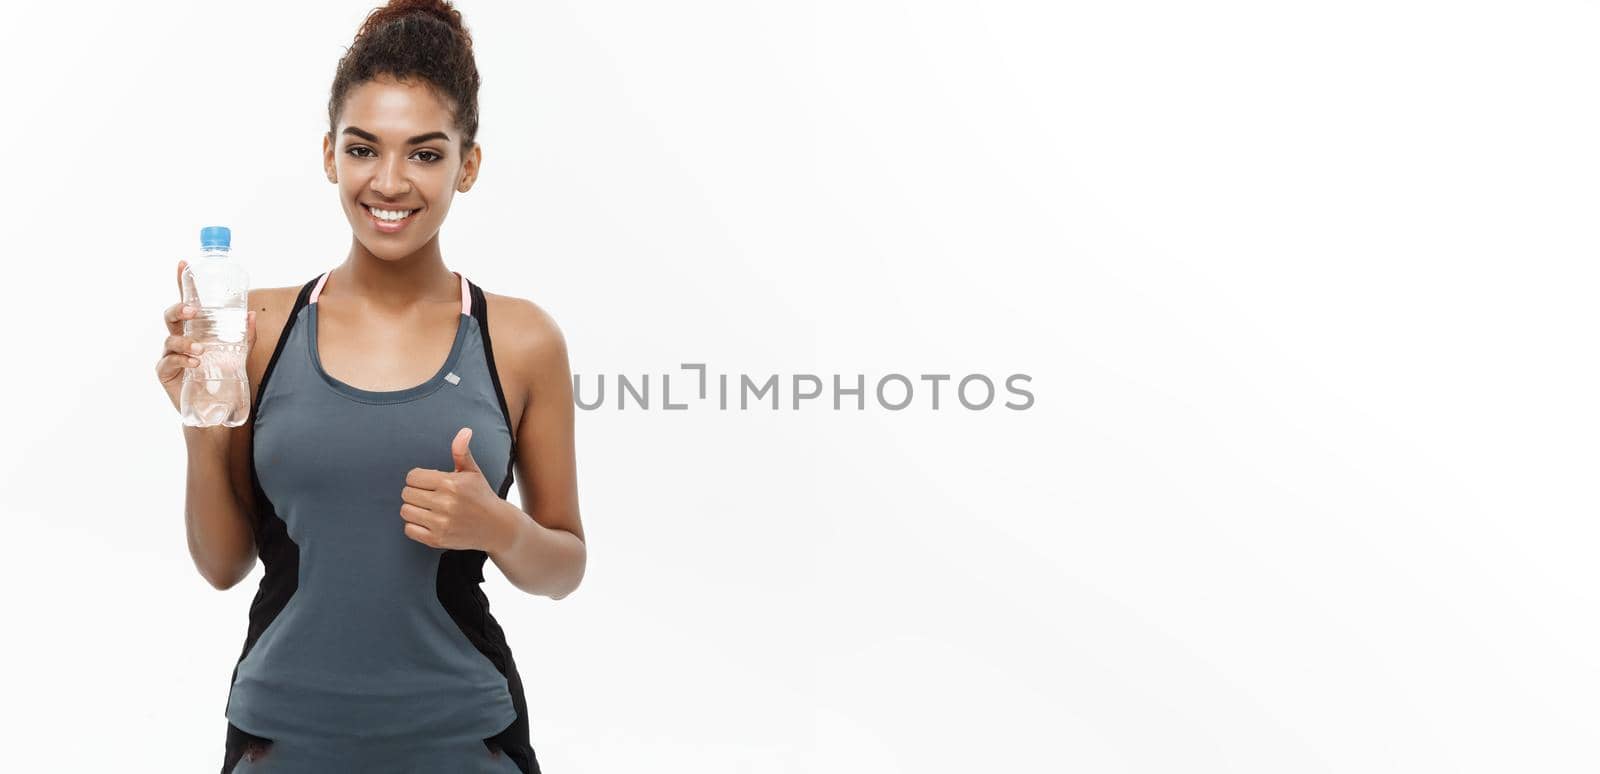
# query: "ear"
(327, 158)
(469, 168)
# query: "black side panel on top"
(480, 310)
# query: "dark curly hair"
(421, 39)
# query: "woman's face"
(397, 149)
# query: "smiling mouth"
(390, 220)
(391, 215)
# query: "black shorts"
(247, 753)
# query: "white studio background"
(1304, 291)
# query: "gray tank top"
(358, 631)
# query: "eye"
(352, 151)
(435, 156)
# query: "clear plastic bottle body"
(216, 392)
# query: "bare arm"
(543, 550)
(221, 541)
(218, 510)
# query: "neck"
(398, 283)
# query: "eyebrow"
(370, 137)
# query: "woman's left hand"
(455, 509)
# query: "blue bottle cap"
(216, 236)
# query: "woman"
(395, 402)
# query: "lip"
(390, 227)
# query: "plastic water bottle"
(216, 392)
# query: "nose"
(390, 181)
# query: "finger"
(422, 498)
(250, 329)
(423, 478)
(182, 345)
(172, 367)
(182, 264)
(421, 535)
(175, 316)
(461, 450)
(421, 517)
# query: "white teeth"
(390, 214)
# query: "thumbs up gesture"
(454, 509)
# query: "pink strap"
(466, 291)
(317, 291)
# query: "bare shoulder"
(271, 306)
(523, 331)
(530, 352)
(270, 300)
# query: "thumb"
(461, 449)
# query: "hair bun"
(397, 9)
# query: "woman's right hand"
(179, 352)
